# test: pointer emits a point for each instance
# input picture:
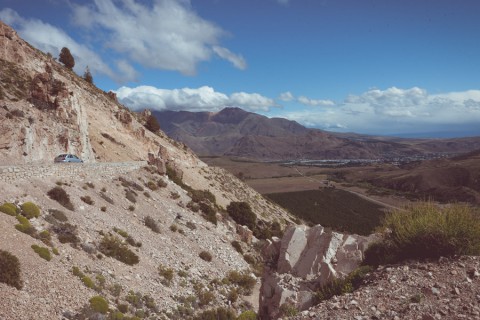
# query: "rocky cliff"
(301, 262)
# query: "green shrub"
(59, 215)
(249, 259)
(25, 226)
(135, 299)
(88, 282)
(341, 286)
(242, 214)
(202, 196)
(9, 208)
(116, 315)
(42, 252)
(123, 307)
(150, 223)
(166, 273)
(247, 315)
(45, 237)
(243, 280)
(61, 196)
(425, 231)
(208, 212)
(205, 255)
(121, 232)
(99, 304)
(112, 246)
(288, 310)
(220, 313)
(30, 210)
(10, 270)
(76, 272)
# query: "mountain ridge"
(234, 132)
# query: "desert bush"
(205, 297)
(150, 223)
(130, 195)
(161, 183)
(237, 246)
(243, 280)
(131, 208)
(106, 198)
(173, 227)
(247, 315)
(205, 255)
(103, 208)
(121, 232)
(87, 200)
(66, 233)
(135, 299)
(112, 246)
(190, 225)
(208, 212)
(166, 273)
(99, 304)
(88, 282)
(132, 242)
(288, 309)
(10, 270)
(152, 185)
(425, 231)
(123, 307)
(249, 258)
(9, 208)
(130, 184)
(45, 237)
(202, 196)
(342, 286)
(60, 195)
(242, 214)
(30, 210)
(42, 252)
(58, 215)
(25, 226)
(174, 195)
(220, 313)
(146, 194)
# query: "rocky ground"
(443, 289)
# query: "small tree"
(66, 58)
(87, 75)
(152, 123)
(242, 214)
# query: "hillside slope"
(45, 110)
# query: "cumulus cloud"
(200, 99)
(314, 103)
(167, 35)
(286, 96)
(397, 111)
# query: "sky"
(383, 67)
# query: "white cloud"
(286, 96)
(237, 60)
(314, 103)
(48, 38)
(397, 111)
(167, 35)
(200, 99)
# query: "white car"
(66, 157)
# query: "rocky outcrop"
(302, 261)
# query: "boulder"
(304, 260)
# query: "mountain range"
(237, 133)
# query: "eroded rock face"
(302, 261)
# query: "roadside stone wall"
(68, 170)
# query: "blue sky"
(389, 67)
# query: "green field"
(333, 208)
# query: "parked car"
(66, 157)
